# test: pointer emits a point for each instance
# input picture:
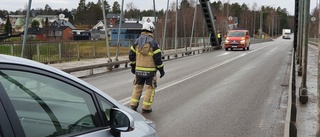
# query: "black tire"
(244, 49)
(226, 49)
(247, 48)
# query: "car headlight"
(151, 124)
(226, 42)
(242, 41)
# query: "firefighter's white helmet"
(148, 26)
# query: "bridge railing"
(66, 51)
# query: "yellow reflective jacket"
(146, 54)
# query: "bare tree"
(131, 6)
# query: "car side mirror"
(121, 121)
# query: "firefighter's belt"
(144, 74)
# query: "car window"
(236, 34)
(48, 107)
(106, 107)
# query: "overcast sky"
(13, 5)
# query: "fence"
(53, 52)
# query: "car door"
(48, 104)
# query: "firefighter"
(145, 60)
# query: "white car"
(37, 100)
(286, 36)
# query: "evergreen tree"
(116, 7)
(48, 10)
(81, 12)
(35, 24)
(8, 27)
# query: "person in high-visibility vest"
(219, 38)
(145, 60)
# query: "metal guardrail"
(166, 56)
(290, 129)
(110, 65)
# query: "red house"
(37, 34)
(61, 33)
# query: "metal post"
(303, 89)
(272, 24)
(26, 28)
(194, 19)
(119, 32)
(300, 35)
(165, 28)
(155, 19)
(318, 61)
(254, 23)
(184, 26)
(106, 31)
(176, 29)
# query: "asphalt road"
(216, 94)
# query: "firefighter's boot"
(148, 99)
(135, 97)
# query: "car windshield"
(236, 34)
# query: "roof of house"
(128, 26)
(62, 23)
(35, 31)
(60, 28)
(113, 15)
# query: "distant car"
(37, 100)
(237, 39)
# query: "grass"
(69, 51)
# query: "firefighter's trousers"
(150, 85)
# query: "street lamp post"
(261, 19)
(272, 25)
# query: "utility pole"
(261, 19)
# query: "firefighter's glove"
(133, 68)
(161, 72)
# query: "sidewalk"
(307, 114)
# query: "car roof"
(7, 59)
